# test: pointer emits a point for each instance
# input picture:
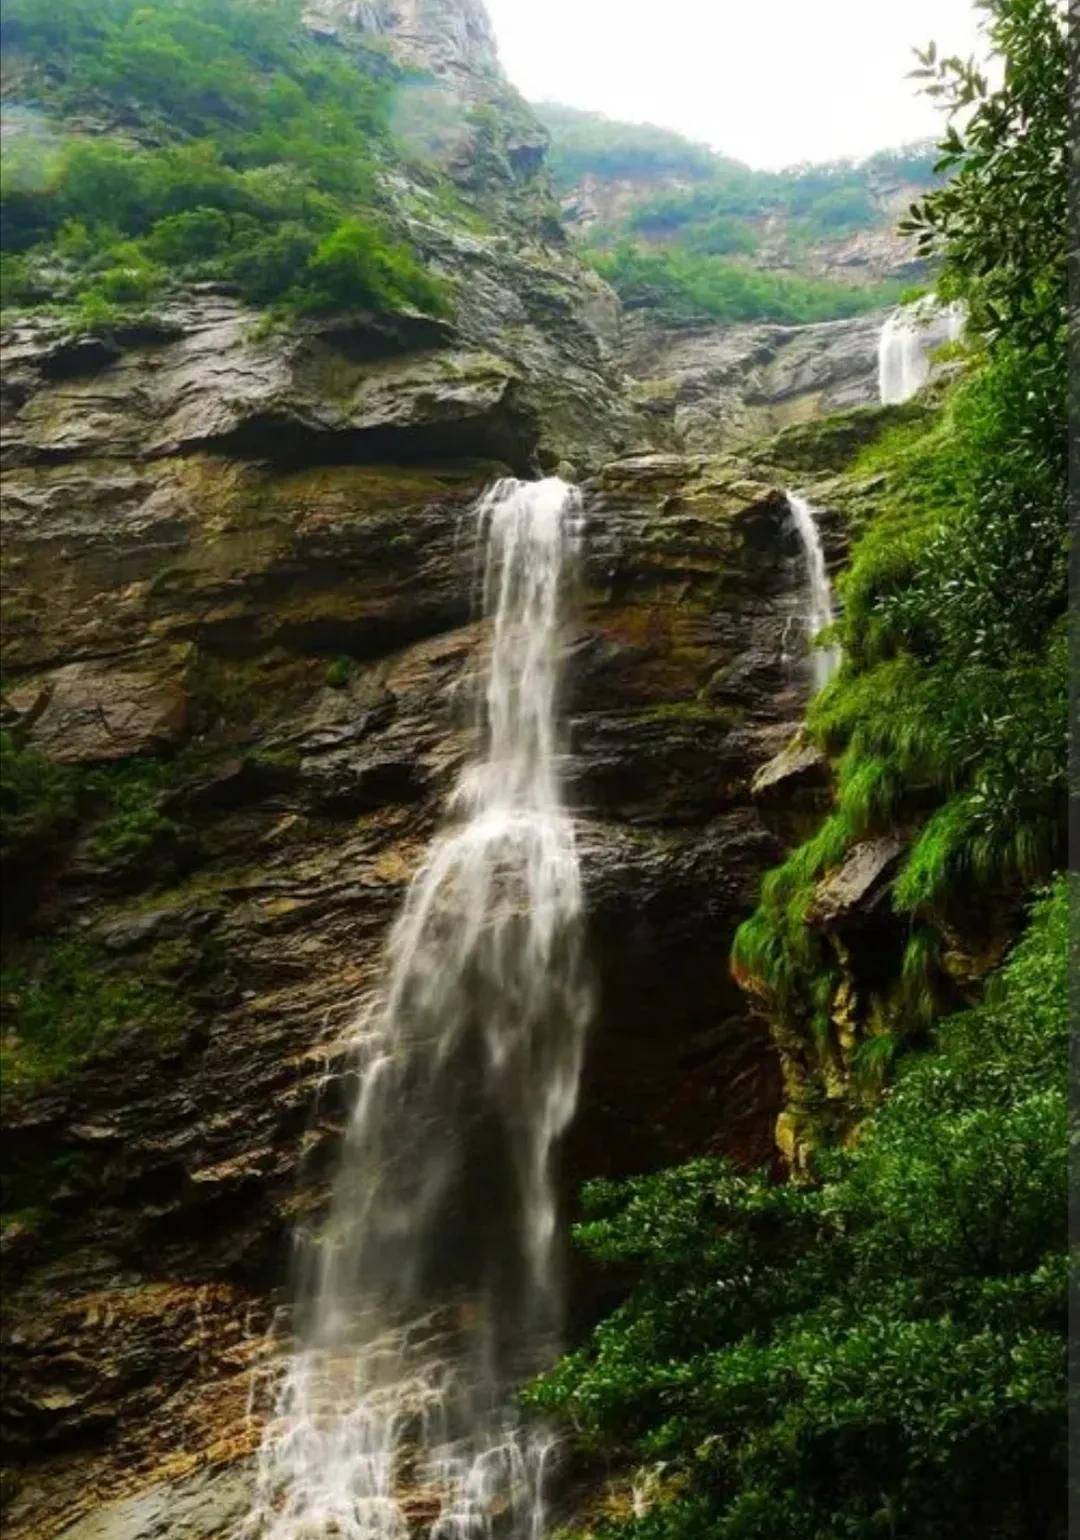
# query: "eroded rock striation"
(712, 387)
(282, 626)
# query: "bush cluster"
(252, 161)
(881, 1353)
(697, 283)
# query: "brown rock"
(799, 767)
(94, 714)
(856, 886)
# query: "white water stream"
(434, 1285)
(824, 661)
(907, 341)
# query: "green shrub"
(37, 804)
(20, 285)
(94, 313)
(356, 267)
(191, 237)
(883, 1352)
(130, 821)
(267, 267)
(841, 211)
(722, 236)
(132, 279)
(267, 150)
(339, 673)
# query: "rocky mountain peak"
(435, 35)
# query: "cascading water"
(433, 1287)
(824, 661)
(907, 340)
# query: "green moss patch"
(68, 1003)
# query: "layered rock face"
(241, 556)
(219, 561)
(719, 387)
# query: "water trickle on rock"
(434, 1286)
(824, 661)
(908, 338)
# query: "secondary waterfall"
(824, 661)
(434, 1286)
(907, 340)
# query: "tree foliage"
(881, 1353)
(1000, 223)
(254, 146)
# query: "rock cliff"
(707, 386)
(237, 625)
(289, 643)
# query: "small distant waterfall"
(824, 661)
(434, 1286)
(908, 338)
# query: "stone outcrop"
(84, 714)
(206, 373)
(858, 884)
(711, 387)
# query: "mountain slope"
(693, 212)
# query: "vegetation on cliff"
(949, 717)
(826, 197)
(880, 1353)
(698, 284)
(237, 148)
(689, 245)
(881, 1348)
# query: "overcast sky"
(770, 82)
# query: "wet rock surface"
(244, 554)
(318, 623)
(712, 387)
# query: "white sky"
(770, 82)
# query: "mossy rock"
(67, 1003)
(831, 443)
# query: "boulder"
(93, 715)
(800, 766)
(858, 885)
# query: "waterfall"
(907, 340)
(824, 661)
(434, 1286)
